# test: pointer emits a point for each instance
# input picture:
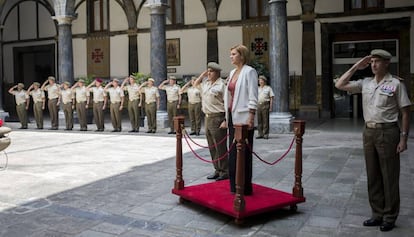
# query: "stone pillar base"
(162, 120)
(4, 115)
(280, 122)
(309, 112)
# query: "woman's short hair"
(243, 51)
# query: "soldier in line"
(68, 100)
(384, 101)
(82, 103)
(116, 96)
(39, 101)
(134, 107)
(264, 107)
(22, 103)
(194, 105)
(212, 92)
(152, 103)
(53, 91)
(173, 99)
(99, 103)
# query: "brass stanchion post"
(179, 125)
(299, 129)
(240, 135)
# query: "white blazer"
(245, 95)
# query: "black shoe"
(266, 136)
(133, 130)
(149, 131)
(83, 129)
(115, 130)
(387, 226)
(23, 128)
(193, 133)
(223, 177)
(53, 128)
(40, 128)
(171, 133)
(68, 129)
(136, 130)
(213, 176)
(259, 137)
(372, 222)
(153, 131)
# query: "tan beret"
(51, 78)
(263, 77)
(67, 83)
(81, 81)
(36, 83)
(381, 53)
(20, 85)
(214, 66)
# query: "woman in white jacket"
(240, 101)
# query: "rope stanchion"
(185, 133)
(205, 160)
(276, 161)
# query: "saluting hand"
(363, 63)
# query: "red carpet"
(216, 195)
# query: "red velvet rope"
(205, 160)
(212, 146)
(275, 162)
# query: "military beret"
(20, 85)
(99, 80)
(67, 83)
(81, 80)
(214, 66)
(51, 78)
(132, 76)
(115, 80)
(172, 78)
(151, 79)
(263, 77)
(36, 83)
(381, 53)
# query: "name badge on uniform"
(387, 90)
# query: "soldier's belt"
(381, 125)
(211, 115)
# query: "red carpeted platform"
(216, 195)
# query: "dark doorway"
(31, 64)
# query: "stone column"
(159, 54)
(280, 118)
(3, 114)
(133, 51)
(65, 49)
(158, 44)
(309, 107)
(212, 42)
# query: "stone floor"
(119, 184)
